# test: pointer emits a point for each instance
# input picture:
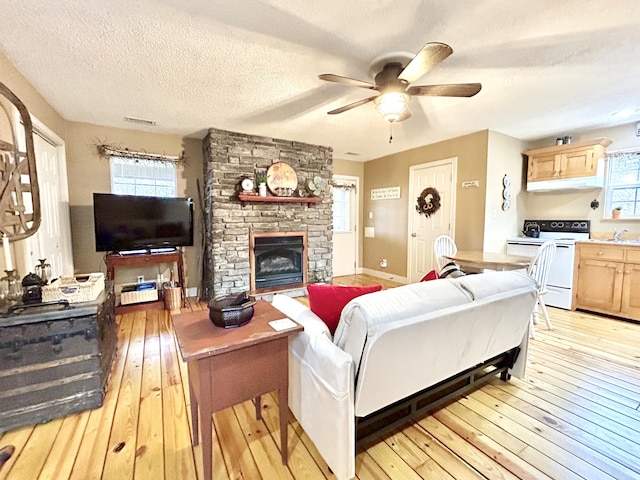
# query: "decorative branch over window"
(111, 151)
(344, 186)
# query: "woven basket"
(172, 298)
(231, 310)
(81, 288)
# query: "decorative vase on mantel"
(615, 213)
(262, 189)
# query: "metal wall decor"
(19, 194)
(506, 193)
(428, 202)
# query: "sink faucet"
(616, 234)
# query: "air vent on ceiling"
(140, 121)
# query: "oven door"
(523, 248)
(561, 273)
(560, 281)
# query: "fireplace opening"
(278, 260)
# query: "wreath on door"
(428, 202)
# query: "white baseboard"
(384, 275)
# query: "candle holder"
(11, 287)
(43, 270)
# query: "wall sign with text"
(385, 193)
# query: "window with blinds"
(130, 176)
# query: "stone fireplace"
(229, 225)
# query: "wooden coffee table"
(231, 365)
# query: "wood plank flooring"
(576, 416)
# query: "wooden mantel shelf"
(244, 199)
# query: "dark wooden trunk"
(55, 361)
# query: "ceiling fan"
(392, 83)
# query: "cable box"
(137, 287)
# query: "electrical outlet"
(140, 278)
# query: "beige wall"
(504, 157)
(36, 104)
(40, 110)
(354, 169)
(576, 204)
(88, 172)
(390, 217)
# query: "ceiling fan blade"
(352, 105)
(330, 77)
(450, 90)
(427, 58)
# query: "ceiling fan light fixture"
(391, 105)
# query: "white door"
(345, 231)
(440, 175)
(52, 241)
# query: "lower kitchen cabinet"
(630, 306)
(608, 276)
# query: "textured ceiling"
(251, 66)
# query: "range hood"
(560, 184)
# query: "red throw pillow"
(327, 301)
(432, 275)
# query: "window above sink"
(622, 187)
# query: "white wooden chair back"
(539, 270)
(541, 264)
(443, 245)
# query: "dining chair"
(539, 271)
(443, 245)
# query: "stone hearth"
(229, 156)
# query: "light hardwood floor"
(575, 416)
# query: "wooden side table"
(230, 366)
(114, 260)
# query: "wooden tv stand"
(114, 260)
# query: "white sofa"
(394, 343)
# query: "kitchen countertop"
(605, 241)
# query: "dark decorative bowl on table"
(232, 310)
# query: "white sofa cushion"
(363, 315)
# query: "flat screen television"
(131, 222)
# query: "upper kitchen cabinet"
(573, 160)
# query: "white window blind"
(130, 176)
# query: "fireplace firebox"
(278, 259)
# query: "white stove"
(565, 233)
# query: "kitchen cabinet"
(608, 274)
(572, 160)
